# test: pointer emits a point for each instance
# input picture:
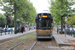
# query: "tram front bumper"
(43, 35)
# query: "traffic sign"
(66, 19)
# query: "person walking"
(22, 29)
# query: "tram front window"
(44, 24)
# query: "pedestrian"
(22, 29)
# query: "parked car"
(12, 28)
(4, 29)
(7, 29)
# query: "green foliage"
(12, 21)
(2, 19)
(71, 20)
(60, 8)
(25, 10)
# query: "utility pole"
(15, 17)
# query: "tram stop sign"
(66, 19)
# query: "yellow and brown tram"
(44, 25)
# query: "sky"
(1, 10)
(40, 5)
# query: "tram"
(44, 25)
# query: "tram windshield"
(44, 24)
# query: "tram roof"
(43, 13)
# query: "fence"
(6, 32)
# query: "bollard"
(8, 32)
(65, 32)
(71, 33)
(1, 32)
(74, 33)
(5, 31)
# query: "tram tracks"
(8, 44)
(43, 45)
(30, 43)
(13, 39)
(33, 45)
(20, 43)
(48, 45)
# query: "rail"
(33, 45)
(20, 43)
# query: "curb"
(2, 40)
(61, 44)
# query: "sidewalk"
(63, 40)
(10, 36)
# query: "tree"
(71, 20)
(8, 19)
(24, 9)
(2, 19)
(60, 8)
